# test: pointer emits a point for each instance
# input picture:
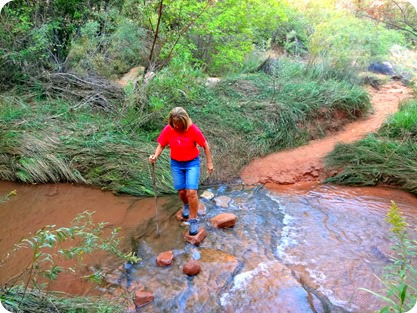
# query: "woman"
(183, 136)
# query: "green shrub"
(176, 84)
(229, 31)
(292, 33)
(403, 124)
(98, 49)
(346, 41)
(35, 36)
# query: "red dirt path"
(305, 163)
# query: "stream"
(293, 249)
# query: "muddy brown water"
(294, 249)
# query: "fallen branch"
(93, 90)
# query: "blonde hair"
(179, 114)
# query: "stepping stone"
(202, 210)
(207, 195)
(179, 217)
(224, 220)
(143, 297)
(191, 268)
(165, 258)
(222, 201)
(196, 239)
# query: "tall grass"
(388, 156)
(243, 116)
(52, 142)
(54, 302)
(250, 115)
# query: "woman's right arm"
(157, 153)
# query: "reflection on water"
(290, 250)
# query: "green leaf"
(379, 296)
(403, 293)
(385, 309)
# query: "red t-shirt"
(183, 145)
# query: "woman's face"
(178, 126)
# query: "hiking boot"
(186, 211)
(193, 227)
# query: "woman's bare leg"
(193, 202)
(183, 195)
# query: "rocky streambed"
(290, 250)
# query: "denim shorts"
(186, 174)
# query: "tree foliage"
(395, 14)
(346, 41)
(37, 35)
(107, 38)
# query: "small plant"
(83, 237)
(8, 196)
(401, 279)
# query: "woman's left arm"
(207, 151)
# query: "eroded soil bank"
(306, 163)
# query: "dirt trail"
(305, 163)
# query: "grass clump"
(55, 302)
(53, 142)
(388, 156)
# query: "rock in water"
(191, 268)
(165, 258)
(207, 195)
(202, 210)
(196, 239)
(222, 201)
(179, 217)
(224, 220)
(143, 297)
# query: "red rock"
(165, 258)
(202, 210)
(207, 195)
(222, 201)
(191, 268)
(143, 297)
(196, 239)
(224, 220)
(179, 217)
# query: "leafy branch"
(401, 279)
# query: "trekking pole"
(156, 197)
